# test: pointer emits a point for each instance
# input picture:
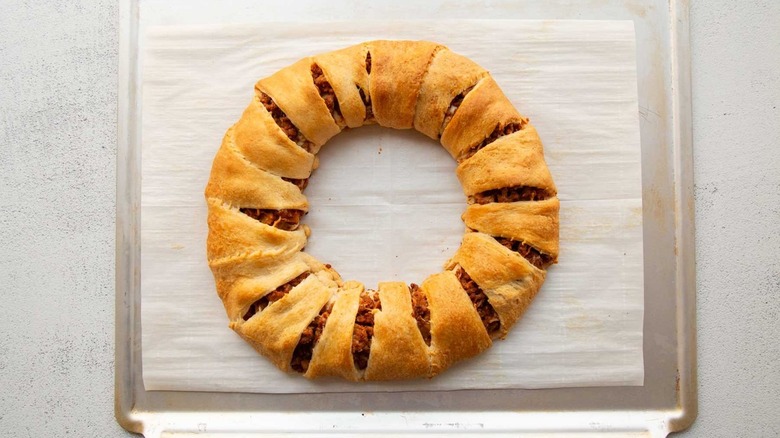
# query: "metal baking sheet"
(667, 401)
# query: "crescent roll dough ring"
(295, 310)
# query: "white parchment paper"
(386, 205)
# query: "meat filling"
(300, 183)
(287, 220)
(497, 133)
(533, 255)
(364, 329)
(454, 105)
(284, 122)
(309, 338)
(327, 94)
(364, 95)
(420, 312)
(273, 296)
(367, 103)
(510, 194)
(486, 312)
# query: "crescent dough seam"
(470, 88)
(435, 52)
(234, 144)
(231, 146)
(241, 256)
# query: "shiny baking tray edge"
(666, 403)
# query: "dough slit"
(275, 331)
(421, 312)
(455, 105)
(259, 138)
(534, 256)
(243, 283)
(363, 330)
(397, 348)
(285, 219)
(510, 194)
(234, 235)
(327, 94)
(301, 183)
(332, 356)
(481, 302)
(509, 168)
(448, 78)
(516, 225)
(272, 296)
(285, 124)
(499, 131)
(508, 280)
(231, 146)
(365, 95)
(309, 339)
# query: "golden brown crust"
(238, 292)
(275, 331)
(513, 160)
(261, 141)
(395, 100)
(235, 181)
(332, 356)
(457, 332)
(508, 280)
(294, 92)
(484, 108)
(232, 233)
(272, 291)
(346, 72)
(397, 349)
(534, 223)
(448, 75)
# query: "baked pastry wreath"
(297, 311)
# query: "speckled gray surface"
(57, 175)
(736, 134)
(57, 158)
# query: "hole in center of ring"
(384, 205)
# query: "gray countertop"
(58, 74)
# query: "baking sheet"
(666, 402)
(577, 82)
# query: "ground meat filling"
(497, 133)
(367, 103)
(420, 312)
(275, 295)
(533, 255)
(510, 194)
(364, 96)
(327, 94)
(309, 338)
(287, 220)
(284, 122)
(300, 183)
(364, 329)
(486, 312)
(454, 105)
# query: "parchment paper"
(386, 205)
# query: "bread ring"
(297, 311)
